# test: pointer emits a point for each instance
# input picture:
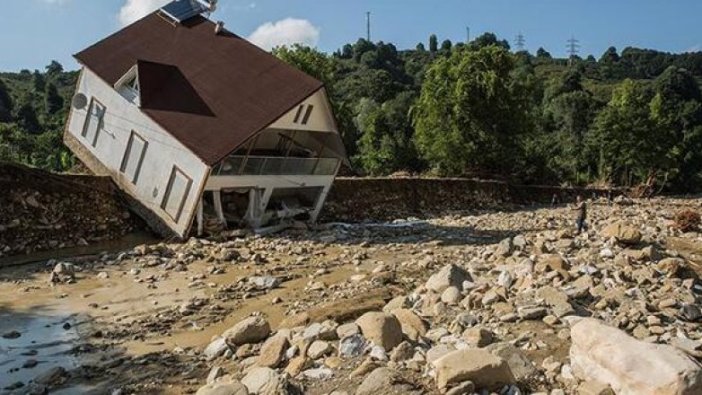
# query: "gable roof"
(211, 91)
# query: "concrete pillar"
(200, 217)
(320, 203)
(217, 197)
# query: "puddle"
(42, 339)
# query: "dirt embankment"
(381, 199)
(41, 211)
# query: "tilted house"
(180, 113)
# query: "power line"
(368, 26)
(573, 46)
(519, 42)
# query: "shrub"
(687, 221)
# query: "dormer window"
(128, 86)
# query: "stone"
(448, 276)
(690, 312)
(321, 373)
(52, 376)
(319, 349)
(504, 248)
(248, 331)
(295, 320)
(297, 364)
(554, 263)
(352, 346)
(345, 330)
(266, 381)
(273, 351)
(399, 302)
(623, 233)
(402, 352)
(226, 388)
(412, 325)
(608, 355)
(671, 266)
(477, 337)
(382, 329)
(465, 388)
(215, 373)
(521, 367)
(439, 351)
(216, 348)
(557, 300)
(381, 380)
(592, 387)
(531, 312)
(451, 296)
(485, 370)
(264, 282)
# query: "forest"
(474, 109)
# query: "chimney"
(219, 27)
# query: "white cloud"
(694, 48)
(285, 32)
(133, 10)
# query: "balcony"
(276, 166)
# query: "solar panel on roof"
(182, 10)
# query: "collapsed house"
(183, 115)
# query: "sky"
(34, 32)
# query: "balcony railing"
(275, 166)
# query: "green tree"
(433, 43)
(53, 102)
(488, 39)
(5, 103)
(469, 113)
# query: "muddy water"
(46, 340)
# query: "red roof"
(211, 91)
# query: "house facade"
(190, 119)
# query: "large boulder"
(484, 369)
(623, 233)
(225, 388)
(273, 351)
(412, 325)
(448, 276)
(608, 355)
(382, 329)
(250, 330)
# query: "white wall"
(321, 119)
(162, 154)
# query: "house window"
(177, 191)
(94, 122)
(134, 157)
(303, 114)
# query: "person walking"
(581, 216)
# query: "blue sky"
(37, 31)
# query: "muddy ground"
(137, 320)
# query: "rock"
(273, 351)
(11, 335)
(216, 348)
(412, 325)
(215, 373)
(264, 282)
(297, 365)
(671, 266)
(319, 349)
(624, 234)
(448, 276)
(264, 381)
(399, 302)
(554, 263)
(504, 248)
(439, 351)
(230, 388)
(451, 296)
(352, 346)
(382, 329)
(319, 373)
(465, 388)
(52, 376)
(402, 352)
(557, 300)
(296, 320)
(608, 355)
(381, 380)
(250, 330)
(484, 369)
(594, 388)
(345, 330)
(690, 312)
(477, 337)
(531, 312)
(522, 368)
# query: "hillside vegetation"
(475, 109)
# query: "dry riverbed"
(141, 320)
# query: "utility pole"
(467, 34)
(368, 26)
(573, 49)
(519, 42)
